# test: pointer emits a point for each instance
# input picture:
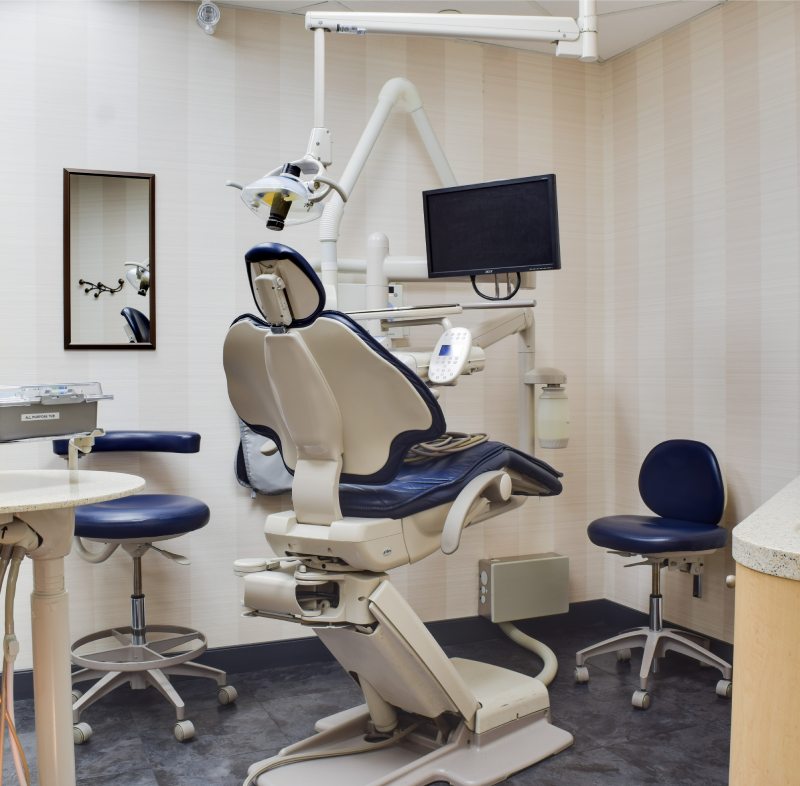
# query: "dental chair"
(343, 412)
(141, 655)
(681, 482)
(137, 326)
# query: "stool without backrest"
(681, 482)
(144, 655)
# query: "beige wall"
(701, 320)
(674, 314)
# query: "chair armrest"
(139, 441)
(475, 498)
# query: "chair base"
(148, 664)
(464, 759)
(656, 643)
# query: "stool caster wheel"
(183, 730)
(640, 699)
(581, 675)
(724, 688)
(227, 694)
(76, 694)
(623, 656)
(81, 732)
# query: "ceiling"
(621, 24)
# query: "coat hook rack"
(101, 287)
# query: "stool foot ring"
(154, 654)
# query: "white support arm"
(471, 26)
(572, 37)
(493, 330)
(396, 92)
(473, 501)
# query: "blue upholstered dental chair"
(681, 482)
(142, 655)
(343, 412)
(137, 326)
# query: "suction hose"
(550, 667)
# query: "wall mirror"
(109, 260)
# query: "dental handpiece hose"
(10, 651)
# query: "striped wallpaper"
(674, 313)
(702, 338)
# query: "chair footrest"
(155, 653)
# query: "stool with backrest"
(142, 655)
(681, 482)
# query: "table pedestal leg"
(52, 686)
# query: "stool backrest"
(681, 479)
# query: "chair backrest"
(321, 387)
(681, 479)
(138, 324)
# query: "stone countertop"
(43, 489)
(768, 540)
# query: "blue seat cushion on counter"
(141, 517)
(654, 535)
(427, 484)
(139, 442)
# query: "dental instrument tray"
(45, 411)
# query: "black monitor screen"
(498, 227)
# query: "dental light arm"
(304, 183)
(397, 92)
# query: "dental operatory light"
(138, 276)
(208, 16)
(297, 186)
(275, 194)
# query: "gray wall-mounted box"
(518, 588)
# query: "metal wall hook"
(100, 287)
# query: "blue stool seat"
(654, 535)
(141, 517)
(426, 484)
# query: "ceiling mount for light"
(208, 16)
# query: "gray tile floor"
(681, 740)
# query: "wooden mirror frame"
(67, 261)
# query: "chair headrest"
(285, 287)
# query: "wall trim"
(309, 649)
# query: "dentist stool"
(143, 655)
(681, 482)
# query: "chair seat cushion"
(141, 517)
(653, 535)
(424, 485)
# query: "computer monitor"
(506, 226)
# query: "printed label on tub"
(40, 416)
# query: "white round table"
(45, 500)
